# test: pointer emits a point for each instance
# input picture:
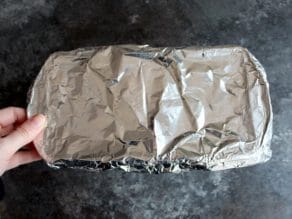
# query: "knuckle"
(23, 132)
(10, 108)
(13, 109)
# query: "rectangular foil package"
(140, 108)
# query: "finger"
(24, 134)
(11, 115)
(6, 130)
(38, 140)
(23, 157)
(39, 146)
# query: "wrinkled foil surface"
(141, 108)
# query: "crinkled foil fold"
(141, 108)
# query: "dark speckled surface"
(30, 30)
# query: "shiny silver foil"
(140, 108)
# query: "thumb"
(24, 134)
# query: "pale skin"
(17, 132)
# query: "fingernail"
(39, 121)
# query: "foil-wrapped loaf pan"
(141, 108)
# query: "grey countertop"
(30, 30)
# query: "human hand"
(16, 131)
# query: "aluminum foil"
(141, 108)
